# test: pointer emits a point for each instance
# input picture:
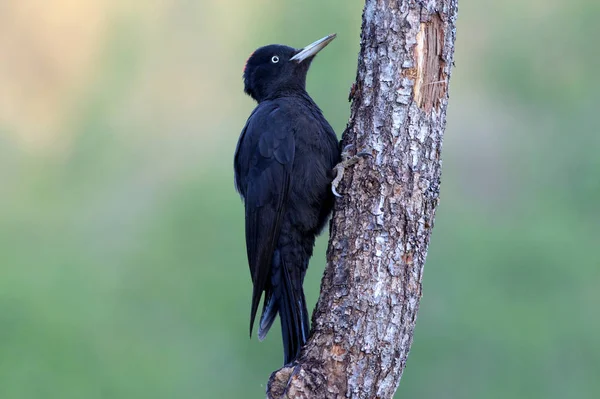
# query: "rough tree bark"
(364, 320)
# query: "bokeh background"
(122, 262)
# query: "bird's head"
(275, 69)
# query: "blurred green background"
(122, 262)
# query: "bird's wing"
(241, 160)
(270, 152)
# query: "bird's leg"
(347, 160)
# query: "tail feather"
(294, 317)
(305, 320)
(269, 313)
(286, 297)
(272, 297)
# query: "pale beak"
(312, 49)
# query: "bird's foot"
(347, 161)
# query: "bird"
(283, 169)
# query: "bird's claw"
(339, 169)
(364, 154)
(346, 150)
(347, 161)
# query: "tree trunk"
(364, 320)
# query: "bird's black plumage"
(283, 165)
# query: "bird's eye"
(274, 59)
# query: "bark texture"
(365, 317)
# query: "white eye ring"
(274, 59)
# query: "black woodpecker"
(283, 167)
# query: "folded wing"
(263, 168)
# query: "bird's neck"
(295, 92)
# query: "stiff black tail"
(286, 297)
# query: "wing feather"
(263, 165)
